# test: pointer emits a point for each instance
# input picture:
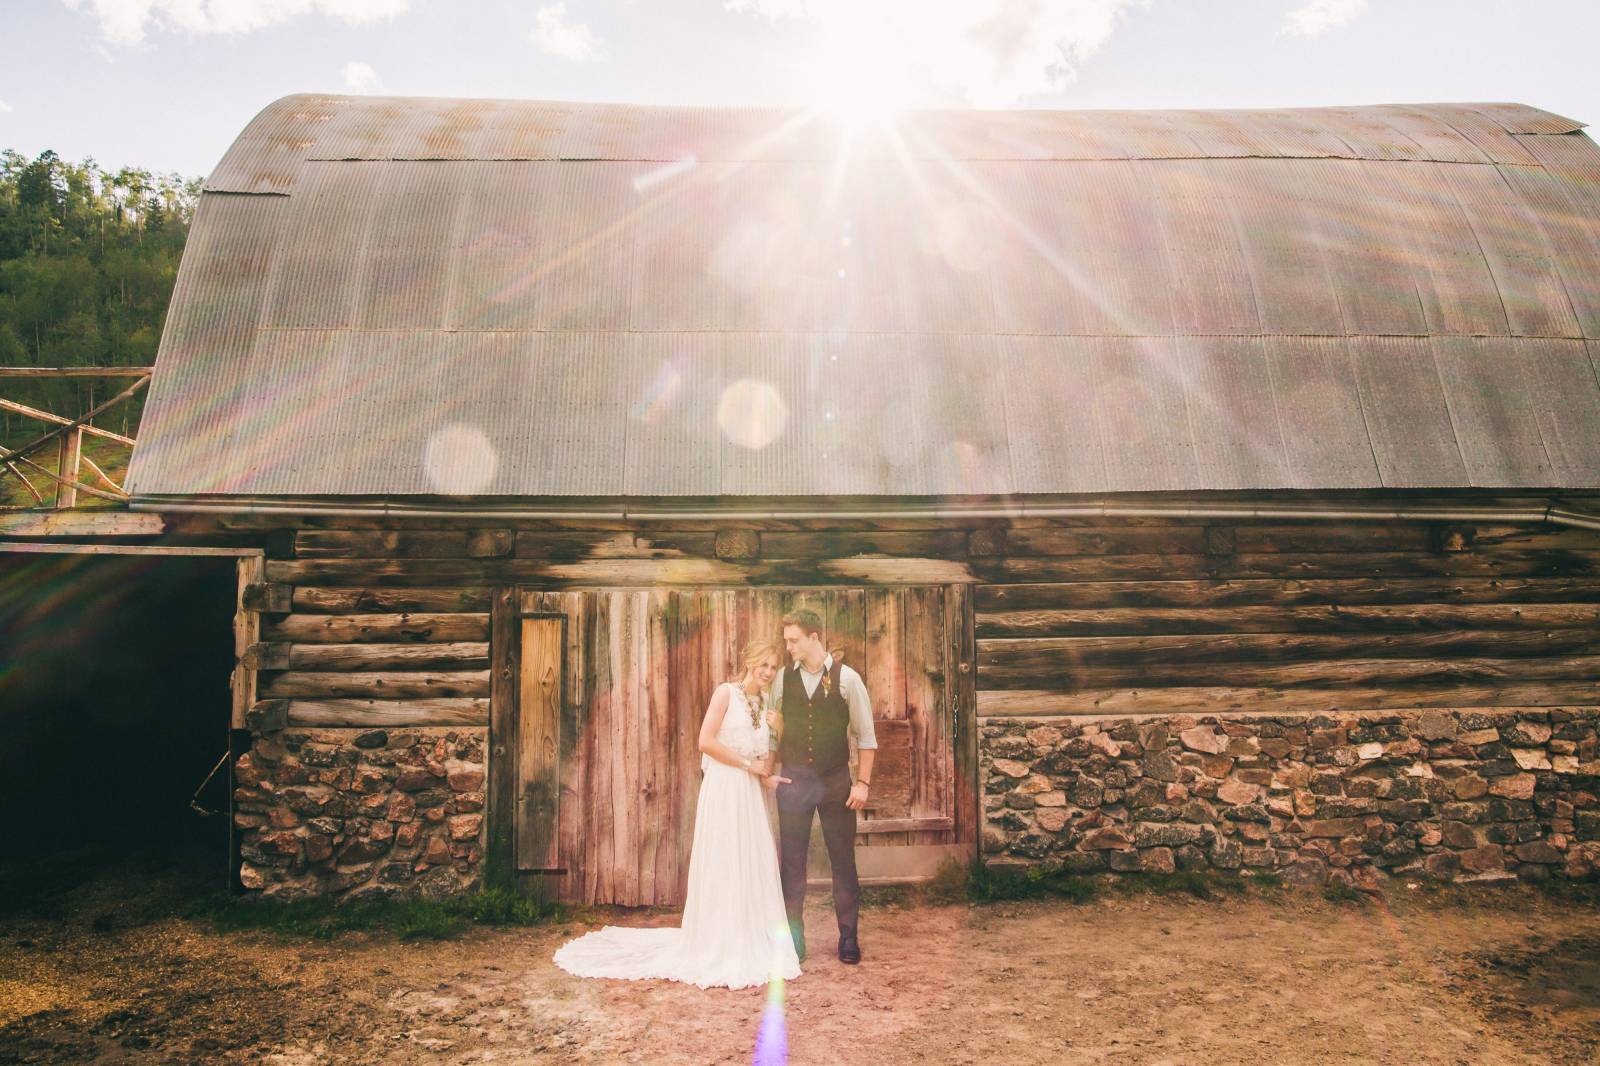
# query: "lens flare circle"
(752, 414)
(460, 460)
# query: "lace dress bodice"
(738, 731)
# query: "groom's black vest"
(815, 727)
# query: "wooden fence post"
(67, 468)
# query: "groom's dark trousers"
(824, 793)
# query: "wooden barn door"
(612, 687)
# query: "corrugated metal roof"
(393, 297)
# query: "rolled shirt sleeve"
(855, 694)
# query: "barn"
(1193, 489)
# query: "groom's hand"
(772, 781)
(858, 796)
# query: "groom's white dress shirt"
(855, 695)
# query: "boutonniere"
(827, 680)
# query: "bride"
(734, 931)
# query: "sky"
(168, 84)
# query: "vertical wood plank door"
(640, 667)
(539, 701)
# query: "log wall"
(370, 622)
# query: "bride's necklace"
(752, 702)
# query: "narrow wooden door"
(539, 701)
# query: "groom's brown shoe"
(849, 950)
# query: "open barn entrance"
(612, 687)
(114, 706)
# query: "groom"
(822, 702)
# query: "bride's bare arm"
(708, 733)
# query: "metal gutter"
(288, 506)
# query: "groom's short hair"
(808, 620)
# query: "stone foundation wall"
(1352, 797)
(361, 812)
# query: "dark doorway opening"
(114, 706)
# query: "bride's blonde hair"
(759, 651)
(755, 653)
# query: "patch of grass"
(1200, 885)
(413, 918)
(996, 884)
(886, 896)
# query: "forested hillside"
(87, 261)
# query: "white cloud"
(5, 107)
(359, 77)
(1319, 16)
(906, 52)
(570, 40)
(124, 22)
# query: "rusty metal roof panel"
(197, 398)
(1486, 134)
(542, 246)
(1192, 203)
(1280, 228)
(320, 255)
(1123, 302)
(1518, 255)
(1141, 410)
(1407, 416)
(268, 155)
(1318, 405)
(1233, 416)
(1044, 281)
(1454, 283)
(405, 245)
(1051, 381)
(1560, 193)
(1495, 421)
(1522, 119)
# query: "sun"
(856, 72)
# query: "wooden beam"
(269, 598)
(499, 859)
(313, 600)
(1284, 565)
(75, 486)
(904, 825)
(123, 549)
(267, 716)
(1141, 652)
(1395, 673)
(246, 635)
(81, 524)
(94, 468)
(81, 420)
(355, 713)
(1233, 592)
(618, 572)
(378, 628)
(68, 463)
(462, 655)
(55, 419)
(391, 685)
(1229, 700)
(38, 497)
(1333, 618)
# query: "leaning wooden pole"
(76, 423)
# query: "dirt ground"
(1505, 975)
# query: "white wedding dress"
(734, 932)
